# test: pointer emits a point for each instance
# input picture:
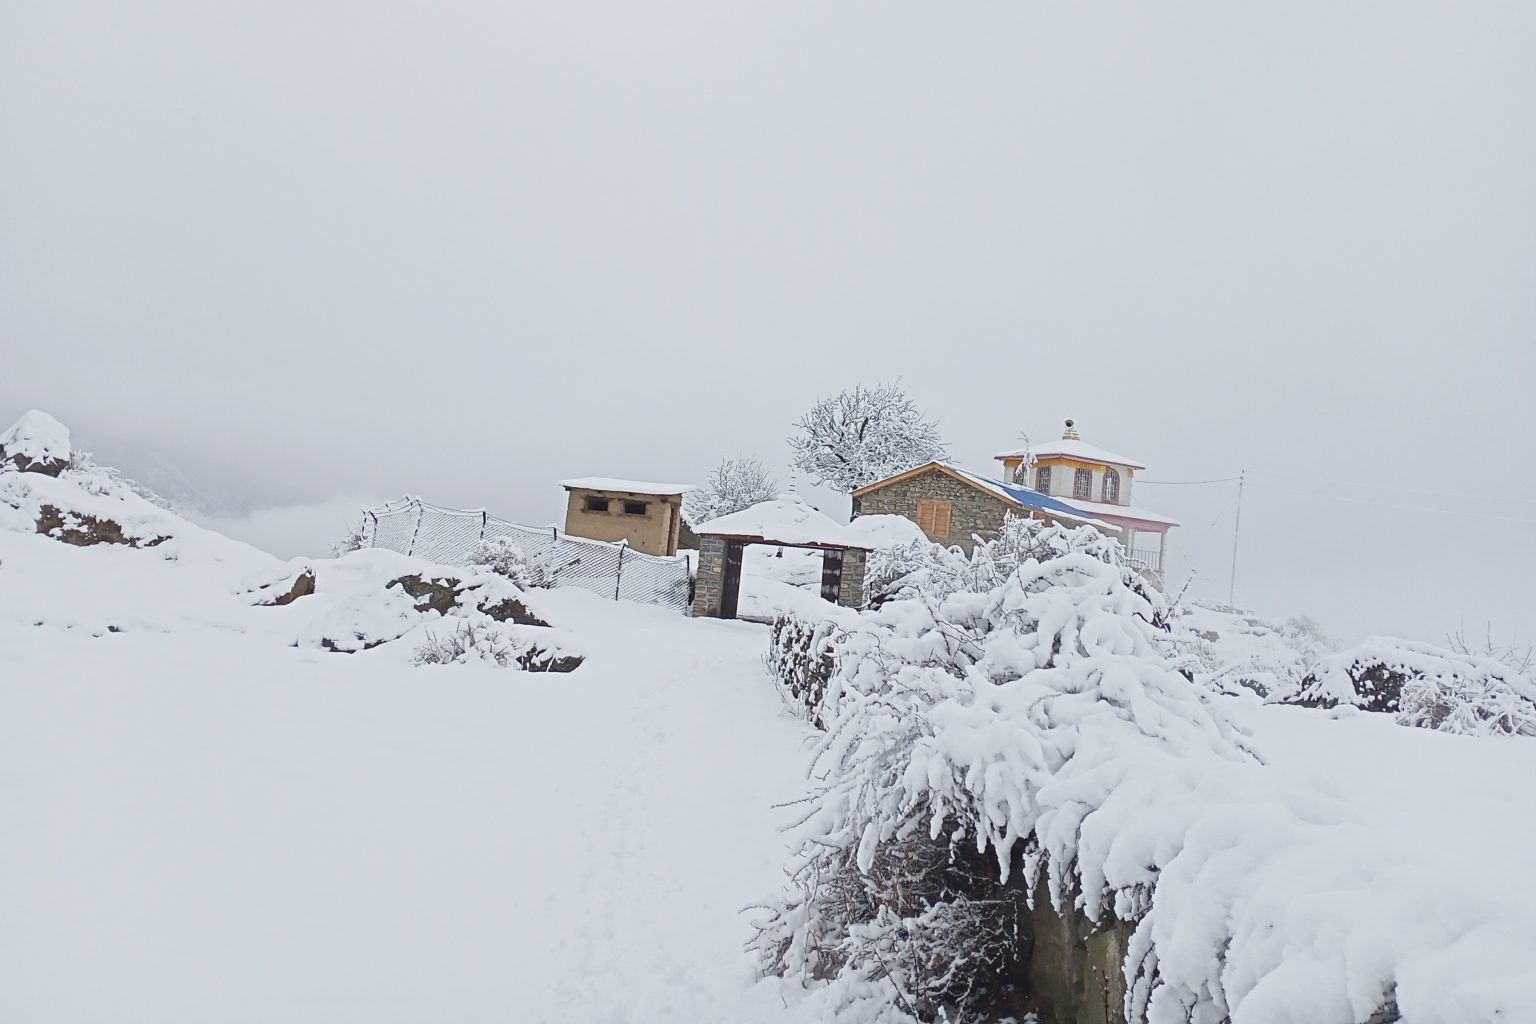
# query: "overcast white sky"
(308, 251)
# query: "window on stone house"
(1082, 484)
(595, 504)
(1043, 479)
(1112, 487)
(634, 508)
(933, 518)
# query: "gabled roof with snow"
(608, 483)
(1073, 449)
(786, 519)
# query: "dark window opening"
(1043, 479)
(596, 505)
(634, 508)
(1082, 484)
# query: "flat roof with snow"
(608, 483)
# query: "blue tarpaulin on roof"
(1028, 498)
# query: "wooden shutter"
(933, 518)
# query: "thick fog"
(283, 258)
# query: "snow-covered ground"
(205, 816)
(204, 823)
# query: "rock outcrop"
(83, 530)
(36, 443)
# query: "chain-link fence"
(447, 535)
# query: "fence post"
(482, 524)
(373, 539)
(619, 575)
(410, 548)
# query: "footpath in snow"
(203, 823)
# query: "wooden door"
(831, 575)
(730, 583)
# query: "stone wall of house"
(850, 591)
(711, 577)
(972, 511)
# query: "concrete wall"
(654, 533)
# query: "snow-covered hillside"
(210, 812)
(204, 822)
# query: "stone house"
(953, 506)
(646, 516)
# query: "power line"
(1187, 483)
(1381, 487)
(1394, 505)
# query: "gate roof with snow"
(786, 520)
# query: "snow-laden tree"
(733, 485)
(858, 436)
(978, 740)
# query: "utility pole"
(1236, 526)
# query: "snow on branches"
(733, 485)
(862, 435)
(1424, 686)
(1003, 720)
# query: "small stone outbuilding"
(646, 516)
(953, 506)
(786, 521)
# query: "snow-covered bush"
(862, 435)
(469, 640)
(1236, 652)
(506, 557)
(355, 539)
(1007, 724)
(733, 485)
(1424, 686)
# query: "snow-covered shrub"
(1006, 724)
(506, 557)
(1424, 686)
(355, 539)
(919, 566)
(1236, 652)
(469, 640)
(733, 485)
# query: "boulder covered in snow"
(36, 443)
